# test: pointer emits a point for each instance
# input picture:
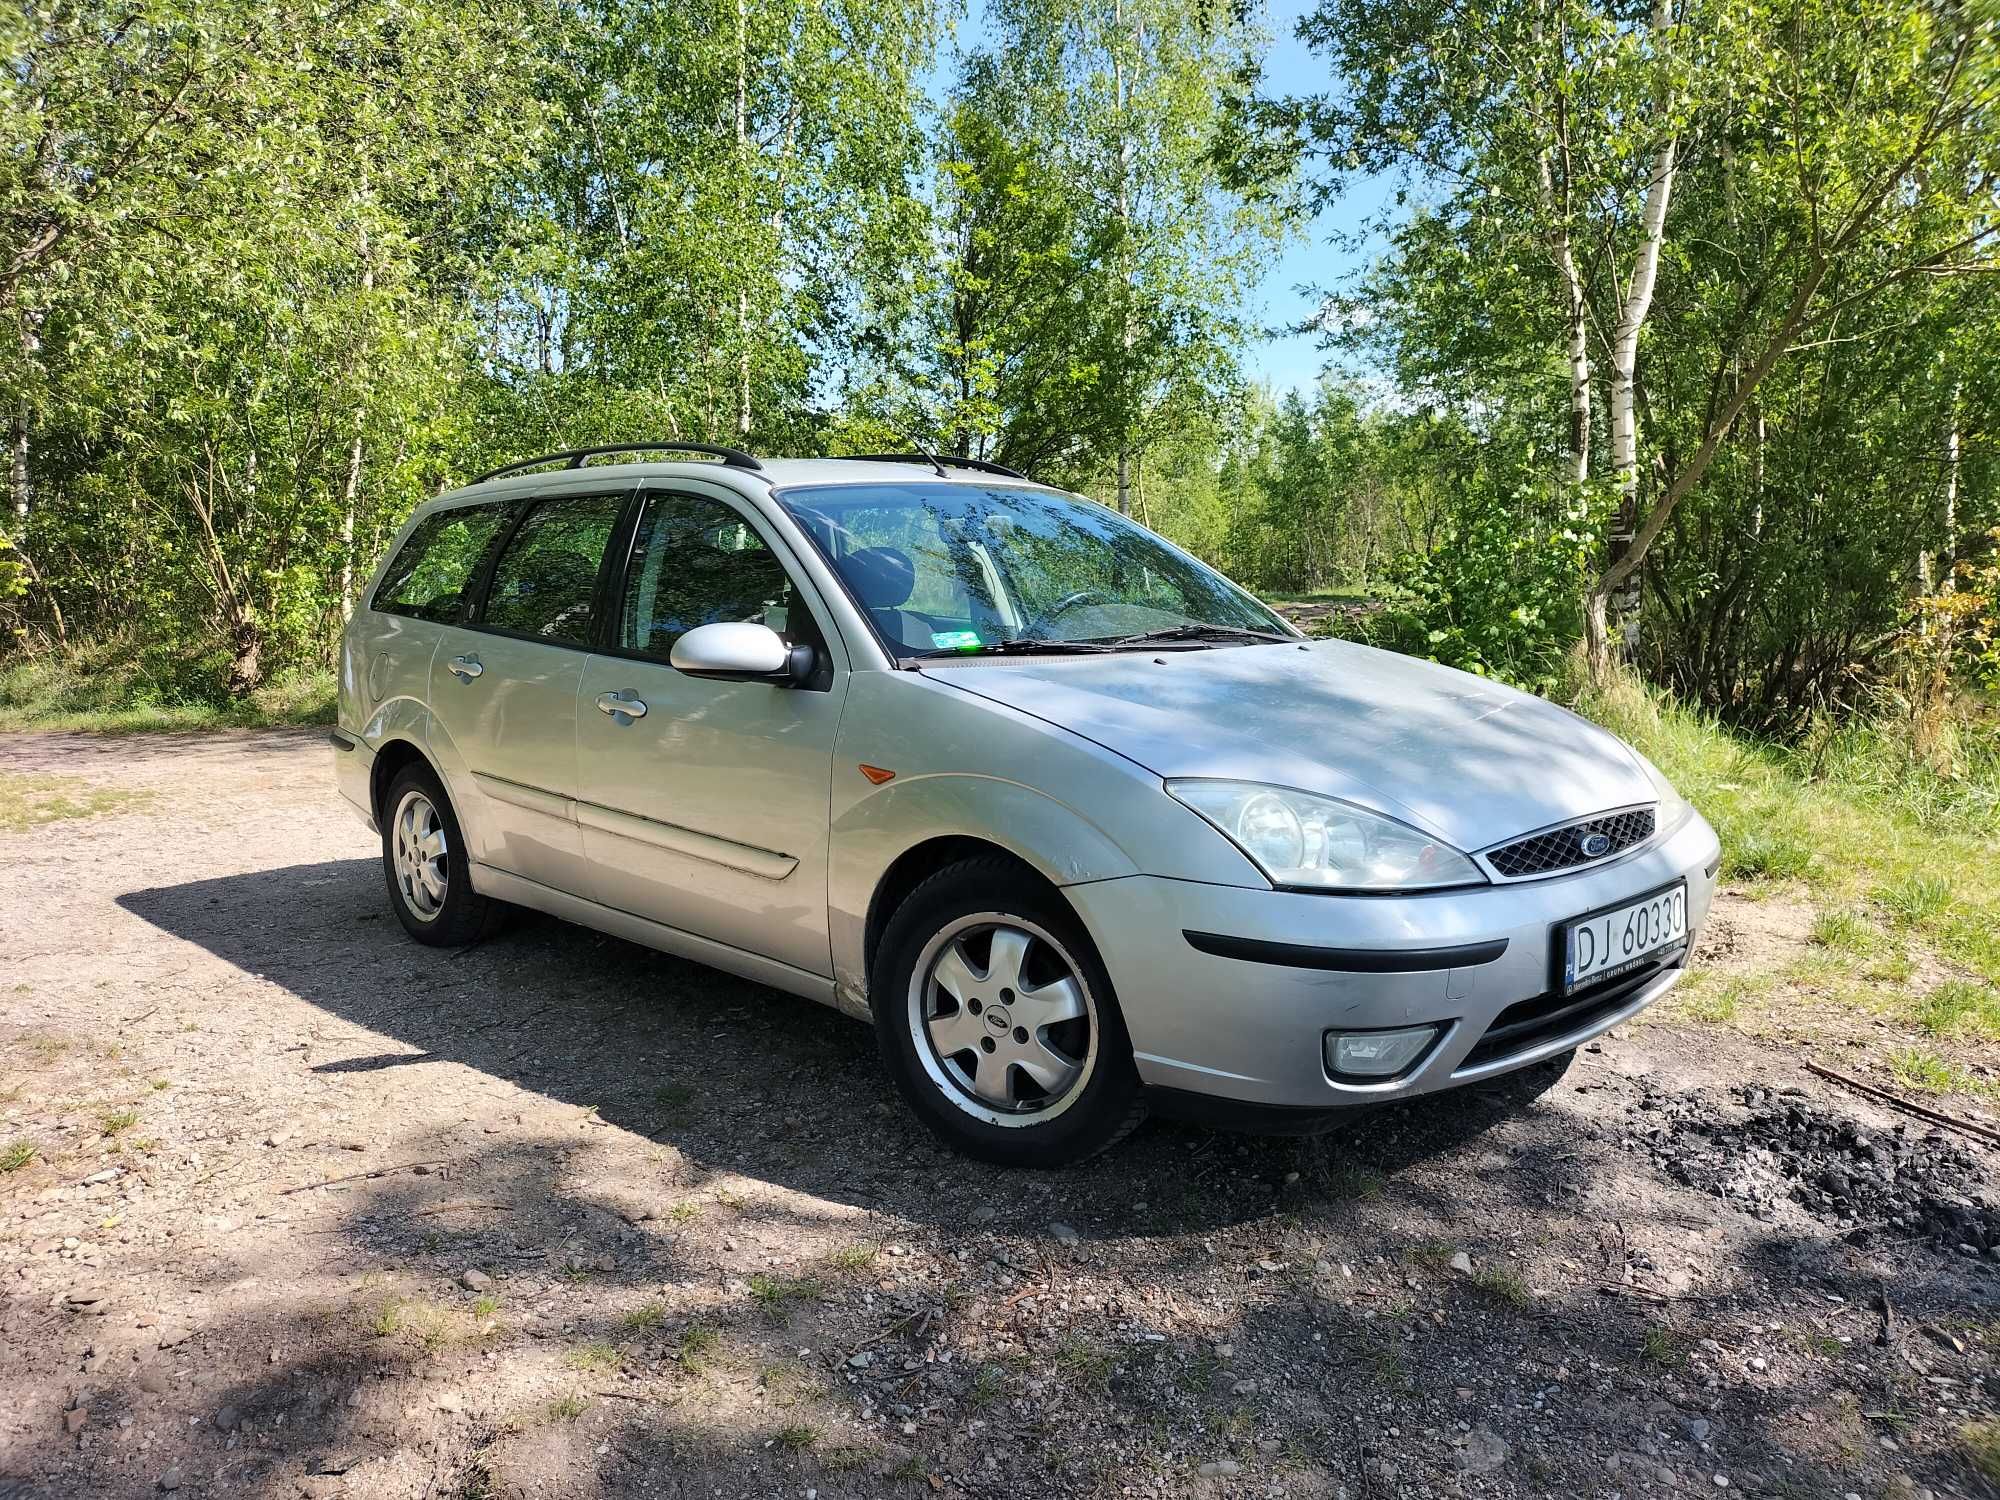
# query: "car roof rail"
(573, 458)
(948, 460)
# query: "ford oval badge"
(1594, 844)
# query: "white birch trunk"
(1623, 413)
(1555, 203)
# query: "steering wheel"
(1060, 608)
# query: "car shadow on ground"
(734, 1075)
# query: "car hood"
(1463, 758)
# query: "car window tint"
(544, 582)
(697, 562)
(429, 575)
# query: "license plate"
(1609, 943)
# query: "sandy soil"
(311, 1209)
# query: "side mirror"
(741, 651)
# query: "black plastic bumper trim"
(1347, 960)
(342, 740)
(1218, 1113)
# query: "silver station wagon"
(1083, 827)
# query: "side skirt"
(503, 886)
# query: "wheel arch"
(883, 845)
(391, 756)
(918, 863)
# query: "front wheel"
(998, 1021)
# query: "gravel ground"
(313, 1210)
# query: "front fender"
(1059, 840)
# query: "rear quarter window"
(438, 561)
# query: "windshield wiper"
(1198, 633)
(1018, 646)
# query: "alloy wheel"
(1003, 1019)
(422, 860)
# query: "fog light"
(1376, 1054)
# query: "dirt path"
(596, 1222)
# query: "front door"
(709, 810)
(503, 690)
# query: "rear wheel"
(424, 862)
(998, 1021)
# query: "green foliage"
(1492, 597)
(120, 683)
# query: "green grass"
(567, 1408)
(595, 1355)
(1916, 899)
(1900, 860)
(124, 686)
(855, 1257)
(1503, 1284)
(797, 1437)
(1959, 1007)
(1931, 1074)
(17, 1155)
(1085, 1363)
(773, 1293)
(1842, 930)
(691, 1350)
(989, 1386)
(117, 1121)
(426, 1324)
(1663, 1347)
(1982, 1444)
(30, 801)
(644, 1318)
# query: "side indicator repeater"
(877, 774)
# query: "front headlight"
(1298, 839)
(1674, 807)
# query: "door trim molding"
(767, 864)
(503, 886)
(516, 794)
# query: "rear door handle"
(632, 708)
(464, 668)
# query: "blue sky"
(1295, 360)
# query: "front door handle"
(632, 708)
(464, 668)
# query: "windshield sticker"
(955, 640)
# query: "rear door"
(504, 684)
(428, 584)
(710, 811)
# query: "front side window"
(962, 567)
(697, 562)
(429, 576)
(544, 583)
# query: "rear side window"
(429, 576)
(545, 582)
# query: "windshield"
(946, 568)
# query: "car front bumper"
(1243, 1017)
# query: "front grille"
(1561, 848)
(1528, 1023)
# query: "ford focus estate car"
(1082, 827)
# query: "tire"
(1057, 1084)
(433, 897)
